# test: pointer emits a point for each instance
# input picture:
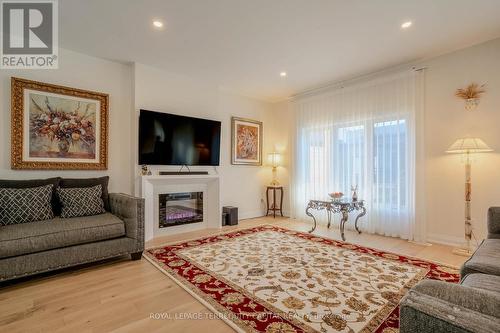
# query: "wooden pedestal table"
(274, 207)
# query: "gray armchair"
(486, 259)
(471, 306)
(494, 223)
(437, 306)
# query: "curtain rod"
(340, 84)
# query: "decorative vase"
(354, 190)
(63, 146)
(471, 103)
(145, 170)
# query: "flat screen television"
(168, 139)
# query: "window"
(361, 134)
(370, 155)
(349, 157)
(389, 164)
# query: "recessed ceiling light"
(158, 23)
(283, 74)
(406, 25)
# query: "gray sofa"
(36, 247)
(471, 306)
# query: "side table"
(274, 207)
(332, 207)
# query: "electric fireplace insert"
(180, 208)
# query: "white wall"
(84, 72)
(156, 90)
(279, 124)
(445, 121)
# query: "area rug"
(275, 280)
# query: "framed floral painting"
(246, 141)
(58, 128)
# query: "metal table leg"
(311, 215)
(345, 216)
(363, 212)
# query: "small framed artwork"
(246, 141)
(57, 128)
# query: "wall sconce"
(471, 95)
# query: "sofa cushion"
(88, 182)
(486, 282)
(10, 183)
(81, 201)
(24, 205)
(33, 237)
(485, 260)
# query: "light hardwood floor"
(121, 295)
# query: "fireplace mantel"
(153, 186)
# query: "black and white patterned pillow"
(23, 205)
(81, 201)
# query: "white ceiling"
(243, 45)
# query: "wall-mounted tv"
(168, 139)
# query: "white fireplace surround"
(153, 186)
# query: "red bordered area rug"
(275, 280)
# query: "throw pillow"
(81, 201)
(88, 182)
(23, 205)
(11, 183)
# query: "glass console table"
(341, 207)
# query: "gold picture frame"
(246, 141)
(57, 128)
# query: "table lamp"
(468, 146)
(274, 159)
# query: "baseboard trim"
(445, 240)
(259, 213)
(249, 215)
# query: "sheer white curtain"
(362, 134)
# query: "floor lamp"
(468, 146)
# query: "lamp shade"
(469, 145)
(274, 159)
